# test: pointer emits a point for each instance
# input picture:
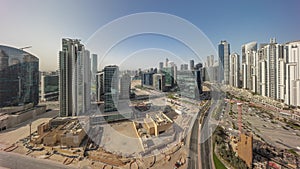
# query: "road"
(205, 147)
(193, 153)
(206, 133)
(17, 161)
(11, 135)
(193, 162)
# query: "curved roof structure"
(17, 55)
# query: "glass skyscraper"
(74, 78)
(111, 88)
(224, 52)
(19, 77)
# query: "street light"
(30, 131)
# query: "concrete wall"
(3, 122)
(42, 128)
(163, 128)
(20, 117)
(72, 140)
(50, 139)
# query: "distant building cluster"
(272, 70)
(269, 69)
(80, 83)
(187, 80)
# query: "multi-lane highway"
(205, 139)
(194, 151)
(200, 154)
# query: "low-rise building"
(49, 86)
(69, 134)
(157, 123)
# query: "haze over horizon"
(42, 25)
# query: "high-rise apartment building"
(174, 68)
(248, 62)
(281, 75)
(254, 71)
(272, 70)
(192, 65)
(74, 78)
(160, 66)
(273, 52)
(234, 70)
(84, 82)
(292, 74)
(94, 68)
(261, 71)
(167, 62)
(210, 61)
(224, 52)
(269, 74)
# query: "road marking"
(199, 155)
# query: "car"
(177, 164)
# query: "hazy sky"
(42, 24)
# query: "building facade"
(49, 86)
(248, 54)
(159, 82)
(184, 67)
(74, 78)
(100, 86)
(169, 76)
(160, 66)
(224, 52)
(19, 77)
(190, 83)
(292, 59)
(192, 65)
(234, 70)
(94, 70)
(147, 78)
(111, 88)
(273, 52)
(125, 86)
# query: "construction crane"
(26, 47)
(240, 110)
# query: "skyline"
(43, 25)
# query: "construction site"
(152, 140)
(154, 136)
(247, 129)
